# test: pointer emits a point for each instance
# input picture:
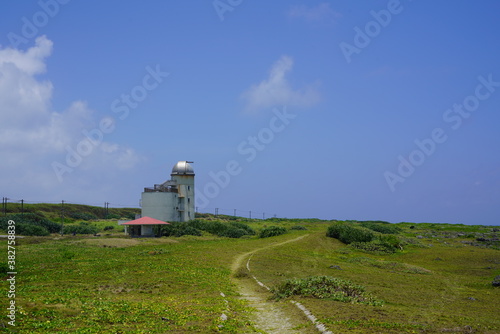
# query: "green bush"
(384, 244)
(31, 230)
(109, 227)
(82, 216)
(272, 231)
(178, 229)
(391, 241)
(248, 230)
(381, 227)
(298, 227)
(324, 287)
(188, 230)
(82, 228)
(335, 230)
(214, 227)
(194, 227)
(30, 219)
(234, 233)
(372, 247)
(231, 230)
(348, 233)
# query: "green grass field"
(440, 281)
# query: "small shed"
(143, 227)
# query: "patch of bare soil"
(269, 316)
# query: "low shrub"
(234, 232)
(391, 241)
(335, 230)
(178, 229)
(82, 228)
(272, 231)
(381, 227)
(109, 227)
(31, 230)
(213, 227)
(82, 216)
(245, 227)
(298, 227)
(372, 247)
(384, 244)
(196, 226)
(348, 233)
(32, 219)
(324, 287)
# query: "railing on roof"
(161, 188)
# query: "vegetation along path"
(270, 317)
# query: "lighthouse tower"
(183, 176)
(173, 200)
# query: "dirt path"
(270, 317)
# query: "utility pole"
(106, 209)
(263, 215)
(234, 212)
(216, 211)
(22, 207)
(250, 214)
(4, 204)
(62, 216)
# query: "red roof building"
(143, 227)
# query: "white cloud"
(319, 13)
(276, 91)
(33, 134)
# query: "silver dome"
(182, 168)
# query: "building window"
(189, 188)
(189, 200)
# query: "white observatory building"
(173, 200)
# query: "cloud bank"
(276, 90)
(33, 134)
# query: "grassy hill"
(436, 279)
(72, 211)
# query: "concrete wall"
(185, 186)
(160, 205)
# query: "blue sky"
(382, 110)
